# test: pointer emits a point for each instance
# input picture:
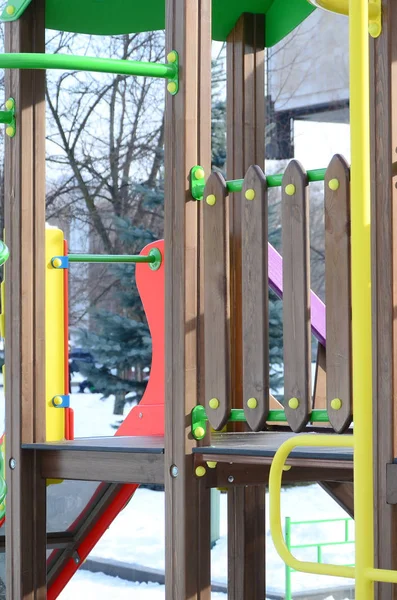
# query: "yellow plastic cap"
(172, 56)
(293, 403)
(287, 467)
(9, 104)
(199, 174)
(250, 194)
(56, 263)
(336, 404)
(10, 10)
(333, 184)
(374, 29)
(57, 401)
(10, 131)
(211, 199)
(171, 87)
(290, 189)
(200, 471)
(199, 432)
(252, 403)
(214, 403)
(211, 464)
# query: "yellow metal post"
(55, 336)
(361, 295)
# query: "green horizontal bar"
(317, 416)
(341, 520)
(86, 63)
(322, 544)
(111, 258)
(236, 185)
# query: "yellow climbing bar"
(361, 295)
(275, 479)
(362, 440)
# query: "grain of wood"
(296, 296)
(383, 107)
(24, 213)
(187, 135)
(245, 147)
(255, 309)
(216, 303)
(338, 293)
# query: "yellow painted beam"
(55, 342)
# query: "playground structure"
(210, 345)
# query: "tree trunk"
(119, 403)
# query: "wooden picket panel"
(338, 293)
(255, 310)
(296, 296)
(216, 302)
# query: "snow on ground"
(137, 535)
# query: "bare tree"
(105, 146)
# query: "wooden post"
(187, 143)
(245, 146)
(24, 185)
(384, 273)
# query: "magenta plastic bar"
(317, 306)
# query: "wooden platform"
(244, 456)
(265, 445)
(247, 457)
(133, 445)
(103, 459)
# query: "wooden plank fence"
(333, 381)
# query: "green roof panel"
(111, 17)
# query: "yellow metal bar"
(55, 343)
(361, 295)
(275, 478)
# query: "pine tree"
(120, 341)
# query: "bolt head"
(230, 479)
(252, 403)
(293, 403)
(13, 463)
(199, 433)
(290, 189)
(333, 184)
(214, 403)
(211, 199)
(10, 10)
(10, 131)
(56, 263)
(171, 87)
(250, 194)
(140, 415)
(174, 471)
(10, 104)
(172, 56)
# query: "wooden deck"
(131, 444)
(265, 445)
(103, 459)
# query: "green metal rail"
(111, 258)
(197, 181)
(200, 418)
(154, 259)
(317, 545)
(85, 63)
